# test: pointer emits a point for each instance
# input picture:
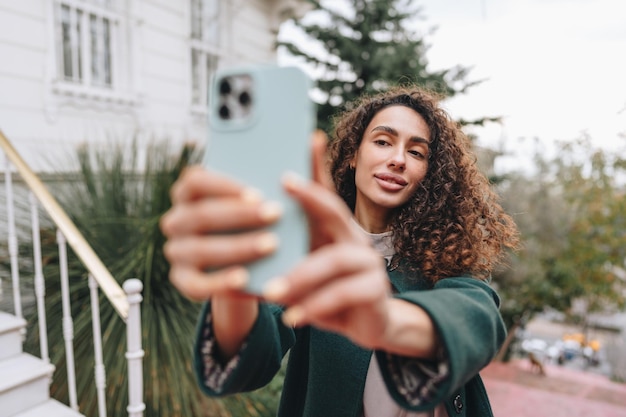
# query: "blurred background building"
(86, 70)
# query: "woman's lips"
(391, 181)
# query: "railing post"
(68, 324)
(40, 286)
(135, 353)
(99, 371)
(12, 240)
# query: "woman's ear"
(319, 162)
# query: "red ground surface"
(515, 391)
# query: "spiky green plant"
(117, 208)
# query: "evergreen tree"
(364, 46)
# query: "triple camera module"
(235, 97)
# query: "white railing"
(126, 301)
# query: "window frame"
(205, 33)
(95, 74)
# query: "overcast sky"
(555, 68)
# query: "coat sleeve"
(470, 328)
(253, 366)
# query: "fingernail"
(293, 316)
(238, 277)
(292, 180)
(275, 289)
(270, 211)
(266, 243)
(251, 195)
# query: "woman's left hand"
(342, 286)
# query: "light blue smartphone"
(260, 124)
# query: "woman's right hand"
(213, 229)
(205, 254)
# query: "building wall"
(44, 122)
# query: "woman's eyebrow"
(394, 132)
(419, 139)
(386, 129)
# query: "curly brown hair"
(453, 225)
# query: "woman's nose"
(397, 160)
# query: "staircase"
(25, 379)
(24, 386)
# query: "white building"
(84, 70)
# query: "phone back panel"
(260, 127)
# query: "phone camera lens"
(245, 99)
(225, 87)
(224, 112)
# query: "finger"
(220, 250)
(325, 210)
(328, 264)
(196, 182)
(319, 162)
(197, 285)
(218, 215)
(326, 305)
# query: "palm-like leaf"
(117, 209)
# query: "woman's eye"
(381, 142)
(416, 153)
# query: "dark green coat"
(326, 372)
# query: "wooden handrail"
(77, 242)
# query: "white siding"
(21, 63)
(23, 23)
(251, 30)
(165, 66)
(43, 124)
(22, 68)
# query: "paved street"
(515, 391)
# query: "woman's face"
(389, 164)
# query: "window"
(203, 65)
(87, 38)
(205, 44)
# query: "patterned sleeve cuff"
(415, 379)
(214, 371)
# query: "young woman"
(391, 313)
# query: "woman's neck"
(371, 224)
